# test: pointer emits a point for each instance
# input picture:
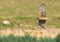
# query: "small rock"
(6, 22)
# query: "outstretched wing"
(44, 18)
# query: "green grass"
(28, 38)
(24, 17)
(58, 38)
(2, 26)
(21, 9)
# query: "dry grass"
(11, 9)
(22, 32)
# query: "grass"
(2, 26)
(20, 10)
(58, 38)
(28, 38)
(23, 17)
(55, 22)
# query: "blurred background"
(24, 13)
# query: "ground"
(38, 32)
(23, 16)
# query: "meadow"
(26, 12)
(23, 14)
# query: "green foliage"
(28, 38)
(58, 38)
(46, 39)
